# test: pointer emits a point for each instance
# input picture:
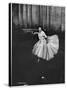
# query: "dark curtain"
(32, 16)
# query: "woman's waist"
(42, 40)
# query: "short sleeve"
(43, 33)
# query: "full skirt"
(46, 49)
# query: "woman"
(46, 47)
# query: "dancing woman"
(46, 47)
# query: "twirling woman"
(46, 47)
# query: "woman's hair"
(40, 27)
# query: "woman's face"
(40, 29)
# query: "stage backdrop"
(31, 16)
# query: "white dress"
(46, 50)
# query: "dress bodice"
(41, 35)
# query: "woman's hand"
(47, 40)
(45, 37)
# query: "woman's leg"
(38, 60)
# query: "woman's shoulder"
(42, 32)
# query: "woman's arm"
(35, 33)
(44, 35)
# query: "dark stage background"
(25, 68)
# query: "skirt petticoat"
(46, 49)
